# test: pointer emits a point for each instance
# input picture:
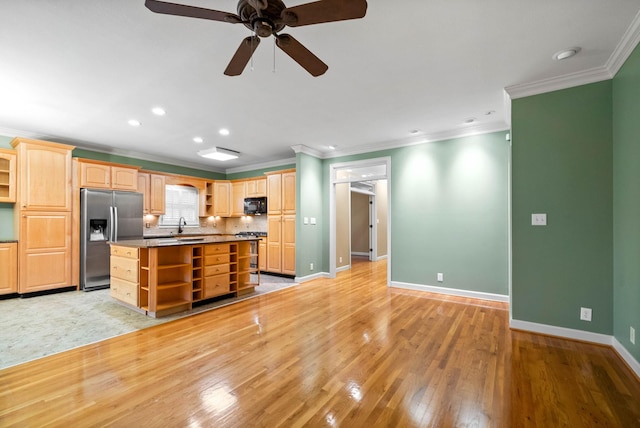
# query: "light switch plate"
(539, 219)
(305, 220)
(313, 220)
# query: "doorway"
(360, 213)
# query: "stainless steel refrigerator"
(105, 216)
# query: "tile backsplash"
(230, 225)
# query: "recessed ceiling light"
(415, 131)
(134, 122)
(224, 131)
(469, 120)
(566, 53)
(198, 140)
(490, 112)
(332, 147)
(158, 111)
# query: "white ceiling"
(76, 71)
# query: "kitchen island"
(163, 276)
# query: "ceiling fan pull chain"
(252, 48)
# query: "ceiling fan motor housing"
(264, 22)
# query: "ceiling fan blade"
(301, 55)
(191, 11)
(324, 11)
(242, 56)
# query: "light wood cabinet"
(163, 280)
(222, 198)
(44, 175)
(262, 252)
(206, 200)
(44, 217)
(104, 175)
(257, 187)
(152, 186)
(281, 222)
(238, 193)
(125, 274)
(7, 175)
(8, 268)
(274, 194)
(45, 251)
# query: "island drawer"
(216, 259)
(128, 252)
(216, 249)
(124, 268)
(216, 285)
(216, 269)
(124, 291)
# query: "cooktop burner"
(251, 234)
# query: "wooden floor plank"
(344, 352)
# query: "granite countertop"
(8, 241)
(182, 240)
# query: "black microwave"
(255, 206)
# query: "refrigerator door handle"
(115, 223)
(110, 223)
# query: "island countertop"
(182, 240)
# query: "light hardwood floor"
(348, 352)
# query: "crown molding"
(424, 138)
(620, 54)
(625, 48)
(262, 165)
(301, 148)
(566, 81)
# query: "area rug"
(39, 326)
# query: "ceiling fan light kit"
(267, 18)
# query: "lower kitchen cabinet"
(281, 244)
(8, 268)
(45, 251)
(125, 275)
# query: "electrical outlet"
(340, 260)
(440, 277)
(539, 219)
(310, 266)
(632, 335)
(585, 314)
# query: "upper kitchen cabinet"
(238, 193)
(222, 198)
(281, 192)
(7, 175)
(152, 186)
(105, 175)
(256, 188)
(44, 175)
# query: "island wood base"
(163, 280)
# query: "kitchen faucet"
(182, 222)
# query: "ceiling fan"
(267, 18)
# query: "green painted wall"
(626, 203)
(4, 142)
(309, 203)
(562, 165)
(449, 212)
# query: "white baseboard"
(452, 291)
(340, 269)
(301, 279)
(585, 336)
(381, 257)
(360, 254)
(626, 356)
